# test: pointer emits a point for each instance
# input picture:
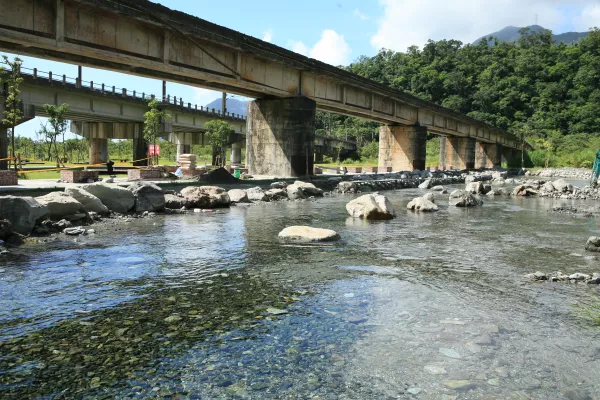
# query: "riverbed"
(213, 306)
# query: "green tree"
(58, 127)
(218, 136)
(12, 112)
(152, 124)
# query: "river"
(212, 306)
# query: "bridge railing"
(102, 88)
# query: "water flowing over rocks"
(115, 198)
(148, 197)
(425, 204)
(22, 212)
(371, 206)
(462, 198)
(238, 196)
(206, 196)
(89, 202)
(60, 204)
(301, 233)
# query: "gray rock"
(238, 196)
(477, 188)
(116, 198)
(461, 198)
(279, 185)
(22, 212)
(74, 231)
(89, 202)
(371, 206)
(148, 197)
(347, 187)
(308, 234)
(256, 194)
(276, 194)
(562, 186)
(295, 192)
(309, 189)
(422, 204)
(206, 196)
(437, 188)
(593, 244)
(580, 277)
(60, 204)
(176, 202)
(5, 229)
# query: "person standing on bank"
(109, 168)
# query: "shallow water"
(212, 306)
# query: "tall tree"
(58, 126)
(152, 121)
(218, 136)
(12, 112)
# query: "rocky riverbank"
(570, 173)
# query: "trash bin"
(236, 173)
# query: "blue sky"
(338, 32)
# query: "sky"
(338, 32)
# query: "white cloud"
(360, 15)
(406, 23)
(268, 36)
(298, 47)
(204, 96)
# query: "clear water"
(212, 306)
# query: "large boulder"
(347, 187)
(476, 188)
(60, 205)
(148, 197)
(276, 194)
(562, 186)
(175, 202)
(5, 229)
(426, 184)
(257, 194)
(295, 192)
(548, 187)
(422, 204)
(309, 189)
(462, 198)
(22, 212)
(206, 196)
(238, 196)
(525, 190)
(89, 202)
(593, 244)
(116, 198)
(371, 206)
(308, 234)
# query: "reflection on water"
(213, 306)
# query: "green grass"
(589, 311)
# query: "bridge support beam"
(488, 155)
(402, 147)
(98, 152)
(459, 152)
(280, 136)
(236, 154)
(4, 142)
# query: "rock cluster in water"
(593, 279)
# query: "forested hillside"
(546, 92)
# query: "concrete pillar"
(4, 143)
(318, 158)
(280, 136)
(443, 152)
(236, 154)
(402, 147)
(488, 155)
(98, 151)
(140, 151)
(460, 152)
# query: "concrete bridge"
(147, 39)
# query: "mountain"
(234, 106)
(511, 34)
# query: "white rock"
(308, 234)
(22, 212)
(89, 202)
(256, 194)
(421, 204)
(295, 192)
(238, 196)
(371, 206)
(60, 204)
(426, 184)
(309, 189)
(116, 198)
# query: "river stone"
(5, 229)
(22, 212)
(421, 204)
(89, 202)
(279, 185)
(206, 196)
(308, 234)
(429, 196)
(294, 192)
(148, 197)
(238, 196)
(525, 190)
(175, 202)
(347, 187)
(426, 184)
(371, 206)
(437, 188)
(450, 353)
(548, 187)
(74, 231)
(256, 194)
(561, 185)
(459, 384)
(309, 189)
(276, 194)
(60, 204)
(462, 198)
(593, 244)
(476, 188)
(116, 198)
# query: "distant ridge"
(511, 34)
(234, 106)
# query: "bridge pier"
(402, 147)
(4, 142)
(488, 155)
(458, 153)
(280, 136)
(236, 154)
(140, 151)
(98, 152)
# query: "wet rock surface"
(371, 206)
(308, 234)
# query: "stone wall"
(72, 176)
(8, 178)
